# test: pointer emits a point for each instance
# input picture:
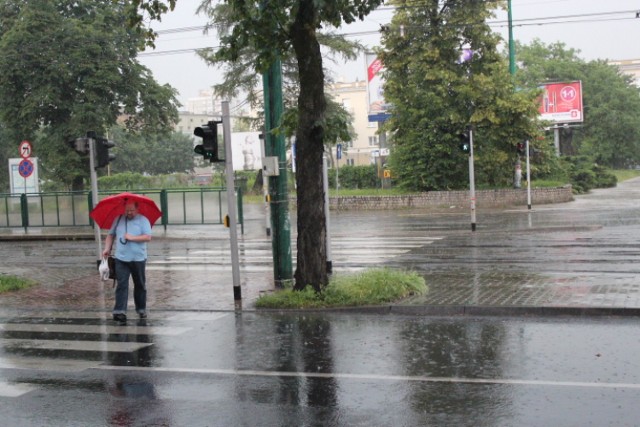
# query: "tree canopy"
(435, 96)
(610, 133)
(69, 67)
(241, 77)
(152, 154)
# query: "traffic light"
(209, 147)
(465, 142)
(520, 148)
(103, 157)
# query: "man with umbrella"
(130, 232)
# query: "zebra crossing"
(256, 255)
(77, 341)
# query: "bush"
(585, 174)
(125, 181)
(355, 177)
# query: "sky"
(598, 29)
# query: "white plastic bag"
(104, 269)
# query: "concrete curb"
(474, 311)
(44, 237)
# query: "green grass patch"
(544, 183)
(625, 174)
(12, 283)
(371, 287)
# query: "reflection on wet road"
(212, 368)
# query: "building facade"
(365, 148)
(630, 67)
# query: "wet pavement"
(316, 369)
(199, 360)
(578, 254)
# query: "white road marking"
(92, 329)
(365, 377)
(69, 345)
(46, 364)
(14, 390)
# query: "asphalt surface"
(529, 321)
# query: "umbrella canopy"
(110, 208)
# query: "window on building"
(373, 141)
(350, 162)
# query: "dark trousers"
(135, 269)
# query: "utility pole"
(512, 48)
(278, 193)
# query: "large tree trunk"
(311, 261)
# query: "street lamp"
(466, 56)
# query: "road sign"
(339, 151)
(25, 149)
(25, 168)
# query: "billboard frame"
(561, 102)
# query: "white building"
(188, 121)
(630, 67)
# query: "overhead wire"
(525, 22)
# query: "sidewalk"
(579, 257)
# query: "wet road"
(261, 369)
(197, 362)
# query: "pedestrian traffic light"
(465, 142)
(103, 157)
(209, 147)
(520, 148)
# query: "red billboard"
(561, 102)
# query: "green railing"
(188, 206)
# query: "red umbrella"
(110, 208)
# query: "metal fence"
(189, 206)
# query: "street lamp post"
(472, 185)
(466, 56)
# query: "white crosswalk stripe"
(91, 329)
(34, 344)
(257, 255)
(68, 341)
(14, 390)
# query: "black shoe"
(120, 317)
(142, 315)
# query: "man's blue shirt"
(128, 250)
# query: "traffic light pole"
(231, 202)
(94, 194)
(278, 193)
(472, 185)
